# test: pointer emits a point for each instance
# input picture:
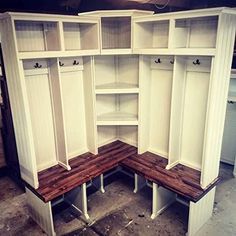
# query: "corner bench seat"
(182, 180)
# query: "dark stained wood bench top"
(56, 181)
(180, 179)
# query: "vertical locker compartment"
(38, 86)
(156, 76)
(189, 108)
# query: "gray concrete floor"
(119, 212)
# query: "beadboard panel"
(195, 105)
(218, 94)
(19, 104)
(40, 106)
(74, 111)
(200, 212)
(160, 102)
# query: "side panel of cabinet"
(217, 100)
(19, 105)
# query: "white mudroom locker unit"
(158, 82)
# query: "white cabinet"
(159, 82)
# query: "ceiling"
(75, 6)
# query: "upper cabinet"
(116, 30)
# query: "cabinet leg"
(200, 212)
(77, 198)
(161, 199)
(234, 172)
(139, 183)
(41, 212)
(99, 183)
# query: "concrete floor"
(119, 212)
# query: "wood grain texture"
(182, 180)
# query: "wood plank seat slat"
(56, 181)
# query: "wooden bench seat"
(71, 185)
(56, 181)
(182, 180)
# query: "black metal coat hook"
(197, 62)
(61, 64)
(37, 65)
(75, 63)
(172, 61)
(158, 61)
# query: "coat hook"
(37, 65)
(158, 61)
(172, 62)
(197, 62)
(61, 64)
(75, 62)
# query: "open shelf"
(117, 118)
(199, 32)
(116, 88)
(80, 36)
(33, 36)
(116, 32)
(151, 35)
(117, 109)
(116, 74)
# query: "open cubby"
(127, 134)
(38, 87)
(116, 32)
(153, 34)
(35, 36)
(80, 36)
(188, 115)
(115, 109)
(199, 32)
(116, 74)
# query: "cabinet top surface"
(188, 14)
(113, 13)
(138, 15)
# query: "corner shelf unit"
(159, 82)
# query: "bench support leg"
(41, 212)
(200, 212)
(161, 199)
(99, 183)
(77, 198)
(139, 183)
